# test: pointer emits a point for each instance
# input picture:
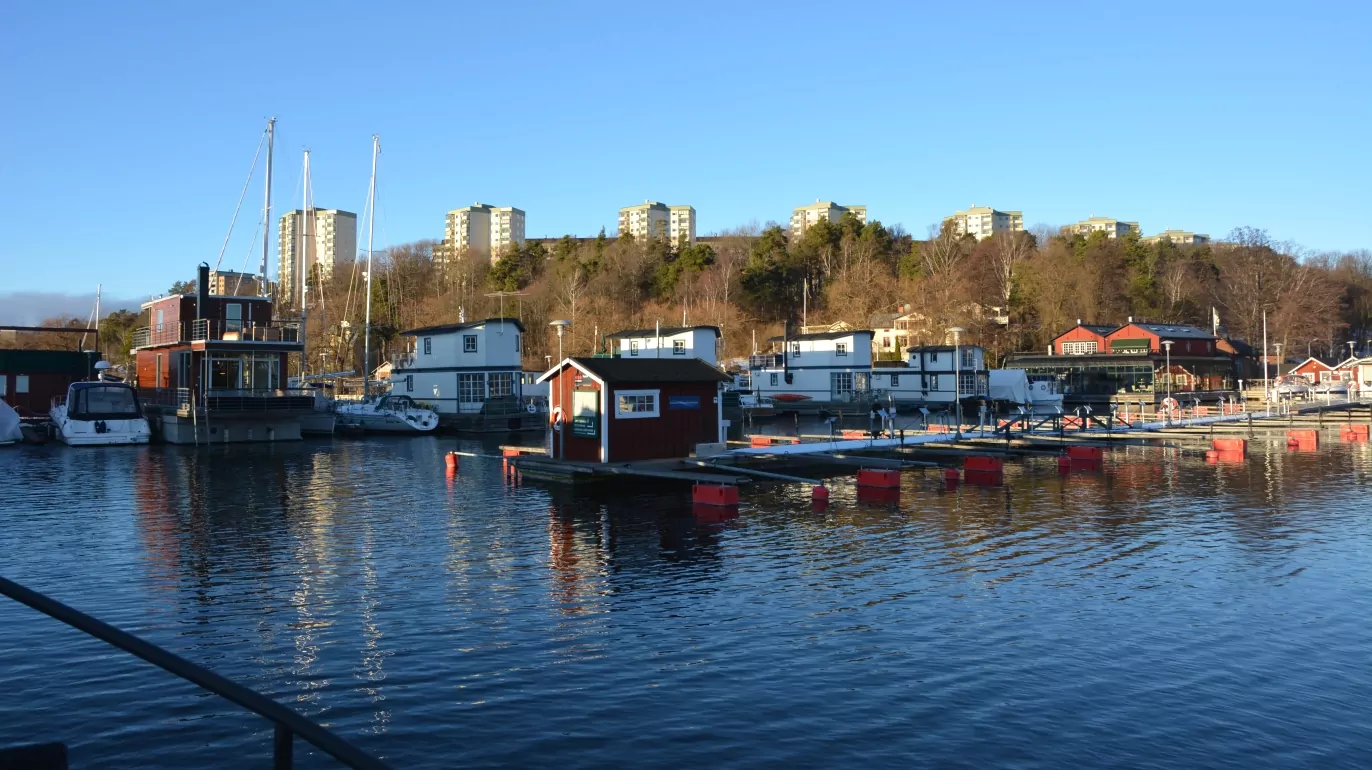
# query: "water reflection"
(468, 619)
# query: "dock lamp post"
(1350, 348)
(559, 425)
(957, 377)
(560, 326)
(1167, 375)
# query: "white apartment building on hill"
(329, 239)
(1113, 228)
(482, 230)
(805, 216)
(982, 222)
(651, 219)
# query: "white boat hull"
(99, 432)
(385, 423)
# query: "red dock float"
(878, 479)
(714, 494)
(883, 495)
(855, 434)
(1357, 430)
(983, 464)
(984, 478)
(1230, 445)
(1303, 435)
(1088, 453)
(507, 452)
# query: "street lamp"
(1167, 374)
(957, 377)
(560, 326)
(1350, 348)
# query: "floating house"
(469, 373)
(212, 368)
(679, 341)
(815, 369)
(625, 409)
(1313, 370)
(934, 375)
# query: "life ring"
(1171, 405)
(555, 418)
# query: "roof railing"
(288, 723)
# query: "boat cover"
(9, 424)
(1010, 385)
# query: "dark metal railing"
(215, 330)
(230, 399)
(288, 723)
(765, 361)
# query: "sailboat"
(321, 420)
(387, 414)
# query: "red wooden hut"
(625, 409)
(1082, 339)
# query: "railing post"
(283, 748)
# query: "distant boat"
(99, 414)
(388, 414)
(789, 398)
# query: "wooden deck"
(578, 473)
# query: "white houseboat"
(815, 369)
(934, 375)
(469, 373)
(673, 342)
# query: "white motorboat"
(387, 414)
(10, 432)
(99, 414)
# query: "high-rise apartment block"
(650, 219)
(682, 224)
(329, 238)
(233, 284)
(1179, 237)
(482, 230)
(1113, 228)
(982, 222)
(805, 216)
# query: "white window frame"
(895, 380)
(469, 343)
(840, 348)
(633, 347)
(678, 347)
(656, 411)
(428, 346)
(772, 379)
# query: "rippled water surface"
(1163, 613)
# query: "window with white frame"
(895, 380)
(471, 388)
(409, 383)
(795, 350)
(469, 343)
(841, 382)
(636, 404)
(428, 346)
(633, 347)
(501, 384)
(678, 347)
(1078, 348)
(969, 358)
(772, 378)
(967, 383)
(840, 348)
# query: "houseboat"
(624, 409)
(933, 376)
(679, 341)
(212, 369)
(812, 371)
(469, 374)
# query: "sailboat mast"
(267, 210)
(371, 226)
(302, 275)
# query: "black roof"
(665, 331)
(1098, 329)
(445, 328)
(820, 336)
(651, 370)
(938, 348)
(1175, 331)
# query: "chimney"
(202, 290)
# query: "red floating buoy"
(451, 459)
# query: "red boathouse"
(624, 409)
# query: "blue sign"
(683, 402)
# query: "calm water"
(1164, 613)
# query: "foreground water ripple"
(1163, 613)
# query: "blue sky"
(130, 127)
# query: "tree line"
(1012, 292)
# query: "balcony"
(214, 330)
(226, 401)
(771, 361)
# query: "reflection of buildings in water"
(157, 524)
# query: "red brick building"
(624, 409)
(1082, 339)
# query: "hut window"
(469, 343)
(895, 380)
(428, 346)
(409, 383)
(840, 348)
(21, 383)
(633, 347)
(502, 384)
(678, 347)
(471, 388)
(772, 378)
(635, 404)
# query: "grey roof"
(1175, 331)
(820, 336)
(446, 328)
(665, 331)
(662, 370)
(883, 320)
